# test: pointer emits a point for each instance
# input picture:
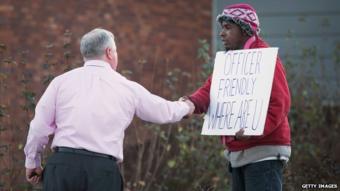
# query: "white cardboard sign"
(240, 91)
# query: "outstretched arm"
(201, 97)
(152, 108)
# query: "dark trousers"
(77, 172)
(259, 176)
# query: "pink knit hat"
(242, 14)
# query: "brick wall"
(40, 39)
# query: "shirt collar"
(98, 63)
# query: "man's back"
(91, 106)
(94, 105)
(87, 110)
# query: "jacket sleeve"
(201, 97)
(279, 103)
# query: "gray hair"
(94, 43)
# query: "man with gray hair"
(87, 110)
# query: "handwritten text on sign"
(240, 91)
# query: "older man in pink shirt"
(88, 109)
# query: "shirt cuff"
(187, 108)
(32, 163)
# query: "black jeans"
(77, 172)
(259, 176)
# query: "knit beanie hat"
(243, 15)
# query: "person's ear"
(108, 53)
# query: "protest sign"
(240, 91)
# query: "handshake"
(189, 103)
(238, 136)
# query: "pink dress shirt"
(90, 107)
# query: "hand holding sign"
(240, 91)
(239, 135)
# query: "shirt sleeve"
(42, 125)
(201, 97)
(152, 108)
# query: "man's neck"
(100, 59)
(249, 42)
